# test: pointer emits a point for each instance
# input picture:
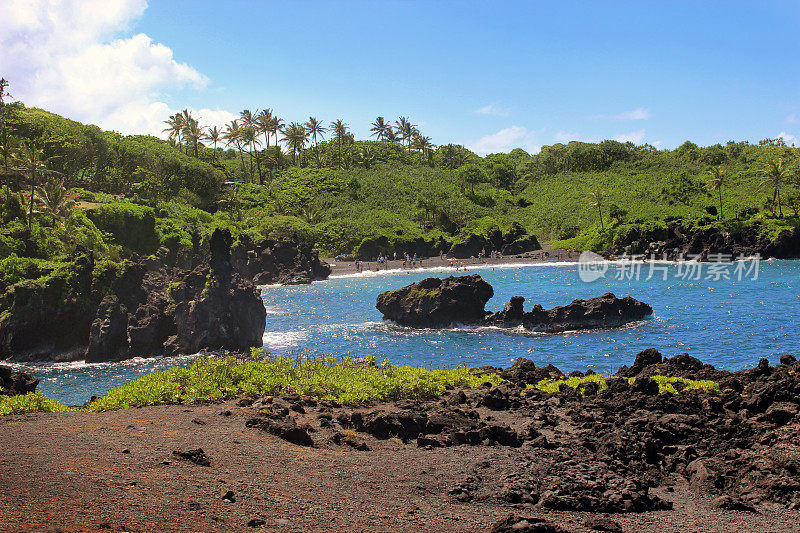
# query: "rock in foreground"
(435, 303)
(13, 382)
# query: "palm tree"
(175, 128)
(774, 175)
(8, 145)
(314, 128)
(405, 128)
(366, 156)
(192, 132)
(263, 124)
(295, 136)
(717, 182)
(276, 127)
(34, 165)
(214, 135)
(233, 135)
(250, 139)
(339, 129)
(390, 135)
(380, 127)
(597, 200)
(54, 199)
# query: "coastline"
(341, 269)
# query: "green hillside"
(115, 194)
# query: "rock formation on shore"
(675, 240)
(157, 312)
(13, 382)
(166, 303)
(435, 302)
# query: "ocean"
(728, 314)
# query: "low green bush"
(33, 402)
(214, 379)
(665, 383)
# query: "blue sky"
(490, 75)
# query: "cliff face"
(674, 240)
(152, 306)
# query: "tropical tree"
(295, 136)
(366, 157)
(406, 130)
(35, 165)
(276, 127)
(214, 135)
(597, 199)
(8, 146)
(314, 128)
(55, 200)
(233, 135)
(773, 176)
(471, 174)
(263, 124)
(390, 135)
(192, 133)
(249, 138)
(379, 128)
(717, 182)
(174, 128)
(339, 129)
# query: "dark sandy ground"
(117, 471)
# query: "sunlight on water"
(728, 323)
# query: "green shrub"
(33, 402)
(133, 226)
(665, 383)
(209, 380)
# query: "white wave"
(283, 339)
(47, 366)
(328, 328)
(275, 311)
(449, 269)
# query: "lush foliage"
(343, 380)
(33, 402)
(665, 383)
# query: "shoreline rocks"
(14, 382)
(151, 306)
(437, 303)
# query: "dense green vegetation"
(67, 188)
(215, 379)
(33, 402)
(665, 383)
(342, 380)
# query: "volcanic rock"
(13, 382)
(435, 302)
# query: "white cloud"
(640, 113)
(65, 57)
(791, 118)
(636, 137)
(788, 138)
(506, 140)
(493, 110)
(564, 136)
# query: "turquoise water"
(730, 323)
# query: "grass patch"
(209, 380)
(665, 383)
(33, 402)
